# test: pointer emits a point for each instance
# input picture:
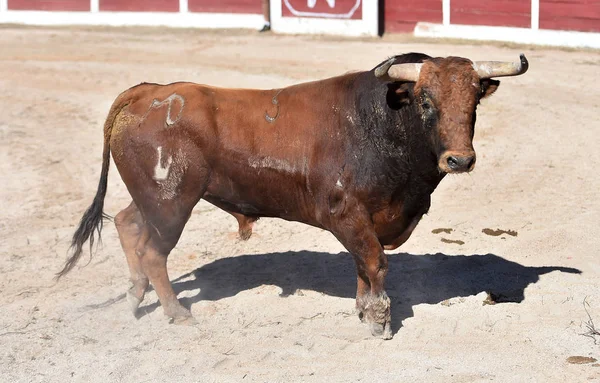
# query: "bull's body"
(311, 164)
(342, 154)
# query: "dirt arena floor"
(280, 307)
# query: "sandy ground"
(279, 307)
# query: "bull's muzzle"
(457, 162)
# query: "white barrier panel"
(169, 19)
(517, 35)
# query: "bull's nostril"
(471, 163)
(452, 162)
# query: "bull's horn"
(398, 72)
(489, 69)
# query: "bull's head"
(447, 91)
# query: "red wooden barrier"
(226, 6)
(139, 6)
(505, 13)
(402, 16)
(574, 15)
(49, 5)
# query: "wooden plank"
(226, 6)
(49, 5)
(506, 13)
(349, 9)
(139, 6)
(572, 15)
(402, 16)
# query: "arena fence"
(574, 23)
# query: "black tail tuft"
(90, 222)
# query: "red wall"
(399, 15)
(140, 5)
(506, 13)
(342, 7)
(49, 5)
(226, 6)
(574, 15)
(402, 16)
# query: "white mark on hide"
(275, 102)
(169, 101)
(161, 172)
(339, 183)
(350, 118)
(157, 231)
(271, 163)
(169, 177)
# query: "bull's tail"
(91, 221)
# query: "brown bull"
(358, 155)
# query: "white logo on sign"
(331, 3)
(312, 3)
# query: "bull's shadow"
(412, 279)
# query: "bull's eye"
(428, 109)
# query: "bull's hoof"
(184, 321)
(361, 316)
(375, 310)
(136, 293)
(383, 330)
(134, 302)
(179, 315)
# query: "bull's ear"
(488, 87)
(398, 94)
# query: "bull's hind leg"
(155, 265)
(131, 229)
(164, 220)
(147, 239)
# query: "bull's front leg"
(372, 302)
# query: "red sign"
(328, 9)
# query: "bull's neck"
(391, 140)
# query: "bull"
(358, 155)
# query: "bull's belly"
(260, 195)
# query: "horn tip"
(524, 63)
(383, 69)
(523, 58)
